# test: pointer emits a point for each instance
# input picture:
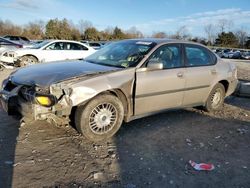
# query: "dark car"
(6, 44)
(17, 39)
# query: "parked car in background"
(6, 44)
(32, 43)
(234, 55)
(97, 45)
(48, 50)
(123, 81)
(225, 53)
(246, 55)
(219, 52)
(17, 39)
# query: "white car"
(48, 50)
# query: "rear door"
(75, 51)
(200, 72)
(161, 89)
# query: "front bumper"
(14, 104)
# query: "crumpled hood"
(45, 74)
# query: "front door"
(161, 89)
(53, 52)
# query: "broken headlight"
(38, 96)
(45, 100)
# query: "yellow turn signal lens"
(44, 100)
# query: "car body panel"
(197, 90)
(158, 90)
(43, 75)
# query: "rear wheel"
(28, 60)
(216, 98)
(100, 118)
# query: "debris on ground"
(242, 131)
(189, 142)
(201, 166)
(98, 176)
(2, 66)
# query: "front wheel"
(216, 98)
(100, 118)
(28, 60)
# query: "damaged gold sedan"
(123, 81)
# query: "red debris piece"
(201, 166)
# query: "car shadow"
(241, 102)
(154, 151)
(8, 141)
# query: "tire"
(215, 99)
(100, 118)
(28, 60)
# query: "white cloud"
(198, 20)
(21, 4)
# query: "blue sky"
(146, 15)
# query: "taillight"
(19, 46)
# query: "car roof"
(14, 43)
(59, 40)
(162, 40)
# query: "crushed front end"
(35, 103)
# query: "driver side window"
(168, 55)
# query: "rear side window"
(198, 56)
(75, 46)
(25, 39)
(14, 38)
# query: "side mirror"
(154, 64)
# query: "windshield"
(121, 54)
(40, 45)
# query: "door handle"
(180, 74)
(213, 71)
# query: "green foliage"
(227, 39)
(56, 29)
(91, 34)
(118, 34)
(247, 45)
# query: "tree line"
(218, 34)
(65, 29)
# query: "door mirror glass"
(154, 64)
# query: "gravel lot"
(149, 152)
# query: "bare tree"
(159, 35)
(230, 25)
(224, 24)
(181, 33)
(210, 32)
(241, 35)
(34, 30)
(133, 32)
(83, 25)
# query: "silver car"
(121, 82)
